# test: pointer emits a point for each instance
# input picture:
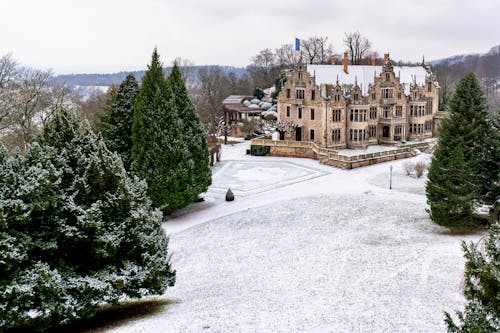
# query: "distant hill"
(486, 66)
(98, 79)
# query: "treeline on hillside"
(485, 66)
(116, 78)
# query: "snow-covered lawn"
(307, 247)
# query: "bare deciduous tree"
(96, 108)
(317, 50)
(286, 126)
(8, 76)
(286, 56)
(357, 45)
(263, 69)
(214, 88)
(27, 100)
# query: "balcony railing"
(392, 120)
(298, 101)
(387, 101)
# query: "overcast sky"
(77, 36)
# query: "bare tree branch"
(357, 45)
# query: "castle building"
(354, 106)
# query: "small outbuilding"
(235, 109)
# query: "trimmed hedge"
(259, 150)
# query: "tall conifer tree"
(118, 134)
(193, 134)
(457, 176)
(158, 150)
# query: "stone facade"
(339, 106)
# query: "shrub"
(229, 195)
(408, 167)
(248, 137)
(420, 168)
(259, 150)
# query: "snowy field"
(309, 248)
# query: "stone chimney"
(374, 61)
(386, 58)
(344, 62)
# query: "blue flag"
(297, 44)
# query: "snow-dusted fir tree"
(482, 288)
(193, 135)
(75, 230)
(101, 121)
(457, 176)
(118, 133)
(489, 160)
(159, 153)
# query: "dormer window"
(299, 94)
(387, 76)
(429, 86)
(374, 95)
(313, 95)
(356, 96)
(288, 93)
(300, 75)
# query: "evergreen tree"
(482, 288)
(118, 134)
(457, 176)
(193, 135)
(75, 230)
(101, 121)
(158, 151)
(489, 160)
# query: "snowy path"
(333, 251)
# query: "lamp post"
(390, 178)
(325, 135)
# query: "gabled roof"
(236, 99)
(365, 75)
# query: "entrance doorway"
(386, 131)
(298, 134)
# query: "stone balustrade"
(307, 149)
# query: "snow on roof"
(365, 75)
(235, 99)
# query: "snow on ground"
(368, 150)
(318, 249)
